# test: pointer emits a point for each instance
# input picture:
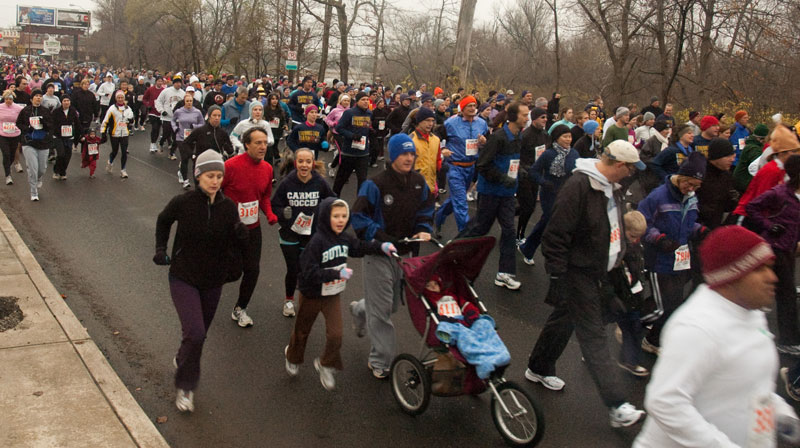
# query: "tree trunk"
(554, 7)
(463, 40)
(294, 37)
(344, 56)
(706, 47)
(326, 35)
(378, 31)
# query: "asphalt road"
(95, 239)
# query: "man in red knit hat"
(714, 382)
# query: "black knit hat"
(661, 125)
(537, 112)
(719, 148)
(694, 166)
(558, 131)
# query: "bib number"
(66, 130)
(762, 422)
(9, 128)
(92, 149)
(302, 225)
(139, 98)
(35, 122)
(443, 144)
(539, 150)
(741, 144)
(630, 139)
(360, 143)
(513, 168)
(336, 286)
(274, 123)
(615, 245)
(248, 212)
(186, 133)
(123, 127)
(448, 307)
(472, 146)
(381, 125)
(683, 259)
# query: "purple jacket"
(778, 205)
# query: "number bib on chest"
(274, 123)
(66, 130)
(360, 143)
(248, 212)
(381, 125)
(472, 146)
(762, 422)
(513, 168)
(615, 245)
(139, 98)
(92, 149)
(741, 144)
(336, 286)
(448, 307)
(302, 225)
(123, 127)
(35, 122)
(683, 259)
(9, 128)
(186, 133)
(539, 150)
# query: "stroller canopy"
(465, 256)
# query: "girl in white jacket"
(116, 121)
(256, 119)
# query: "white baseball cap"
(622, 151)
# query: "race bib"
(448, 307)
(274, 123)
(336, 286)
(615, 245)
(630, 139)
(302, 225)
(304, 106)
(539, 150)
(381, 125)
(682, 258)
(139, 98)
(472, 146)
(92, 149)
(513, 168)
(360, 143)
(9, 128)
(35, 122)
(741, 144)
(443, 144)
(123, 127)
(186, 133)
(248, 212)
(761, 432)
(56, 87)
(66, 130)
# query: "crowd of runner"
(627, 197)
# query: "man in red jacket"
(149, 102)
(248, 183)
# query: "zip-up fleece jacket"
(392, 206)
(495, 163)
(167, 100)
(114, 117)
(36, 138)
(206, 137)
(67, 119)
(85, 103)
(326, 251)
(298, 197)
(778, 205)
(205, 236)
(353, 125)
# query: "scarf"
(557, 166)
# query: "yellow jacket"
(427, 158)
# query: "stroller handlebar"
(420, 240)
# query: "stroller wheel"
(517, 415)
(411, 384)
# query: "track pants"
(786, 298)
(458, 179)
(63, 155)
(251, 259)
(36, 160)
(155, 128)
(307, 312)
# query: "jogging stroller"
(517, 416)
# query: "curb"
(130, 414)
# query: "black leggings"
(155, 124)
(116, 143)
(346, 167)
(526, 196)
(251, 258)
(168, 136)
(8, 146)
(291, 254)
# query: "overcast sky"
(8, 8)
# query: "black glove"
(234, 120)
(734, 195)
(104, 138)
(164, 114)
(776, 230)
(509, 182)
(161, 258)
(665, 244)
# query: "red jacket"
(247, 181)
(767, 177)
(149, 100)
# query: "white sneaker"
(153, 148)
(331, 171)
(123, 174)
(9, 180)
(35, 197)
(325, 375)
(39, 184)
(521, 241)
(186, 185)
(359, 323)
(470, 196)
(291, 369)
(241, 317)
(528, 261)
(18, 167)
(288, 308)
(185, 400)
(180, 177)
(56, 176)
(624, 415)
(507, 280)
(64, 177)
(550, 382)
(109, 167)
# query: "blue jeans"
(632, 334)
(459, 179)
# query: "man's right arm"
(559, 233)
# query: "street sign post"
(51, 46)
(291, 60)
(291, 65)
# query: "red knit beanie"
(730, 253)
(466, 100)
(708, 121)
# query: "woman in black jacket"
(203, 259)
(67, 130)
(276, 117)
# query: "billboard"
(67, 18)
(33, 15)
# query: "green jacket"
(752, 150)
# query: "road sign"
(291, 65)
(52, 46)
(292, 55)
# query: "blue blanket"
(479, 344)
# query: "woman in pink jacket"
(332, 119)
(9, 133)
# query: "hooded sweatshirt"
(294, 198)
(326, 254)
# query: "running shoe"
(123, 174)
(288, 308)
(39, 184)
(186, 185)
(172, 157)
(378, 372)
(291, 369)
(634, 370)
(521, 241)
(180, 177)
(325, 375)
(791, 391)
(650, 348)
(35, 197)
(507, 280)
(56, 176)
(624, 415)
(64, 177)
(9, 180)
(551, 382)
(241, 317)
(185, 400)
(528, 261)
(18, 167)
(109, 167)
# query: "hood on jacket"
(324, 223)
(596, 179)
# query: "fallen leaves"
(38, 393)
(162, 419)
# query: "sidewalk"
(56, 388)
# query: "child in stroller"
(448, 306)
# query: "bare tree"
(463, 40)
